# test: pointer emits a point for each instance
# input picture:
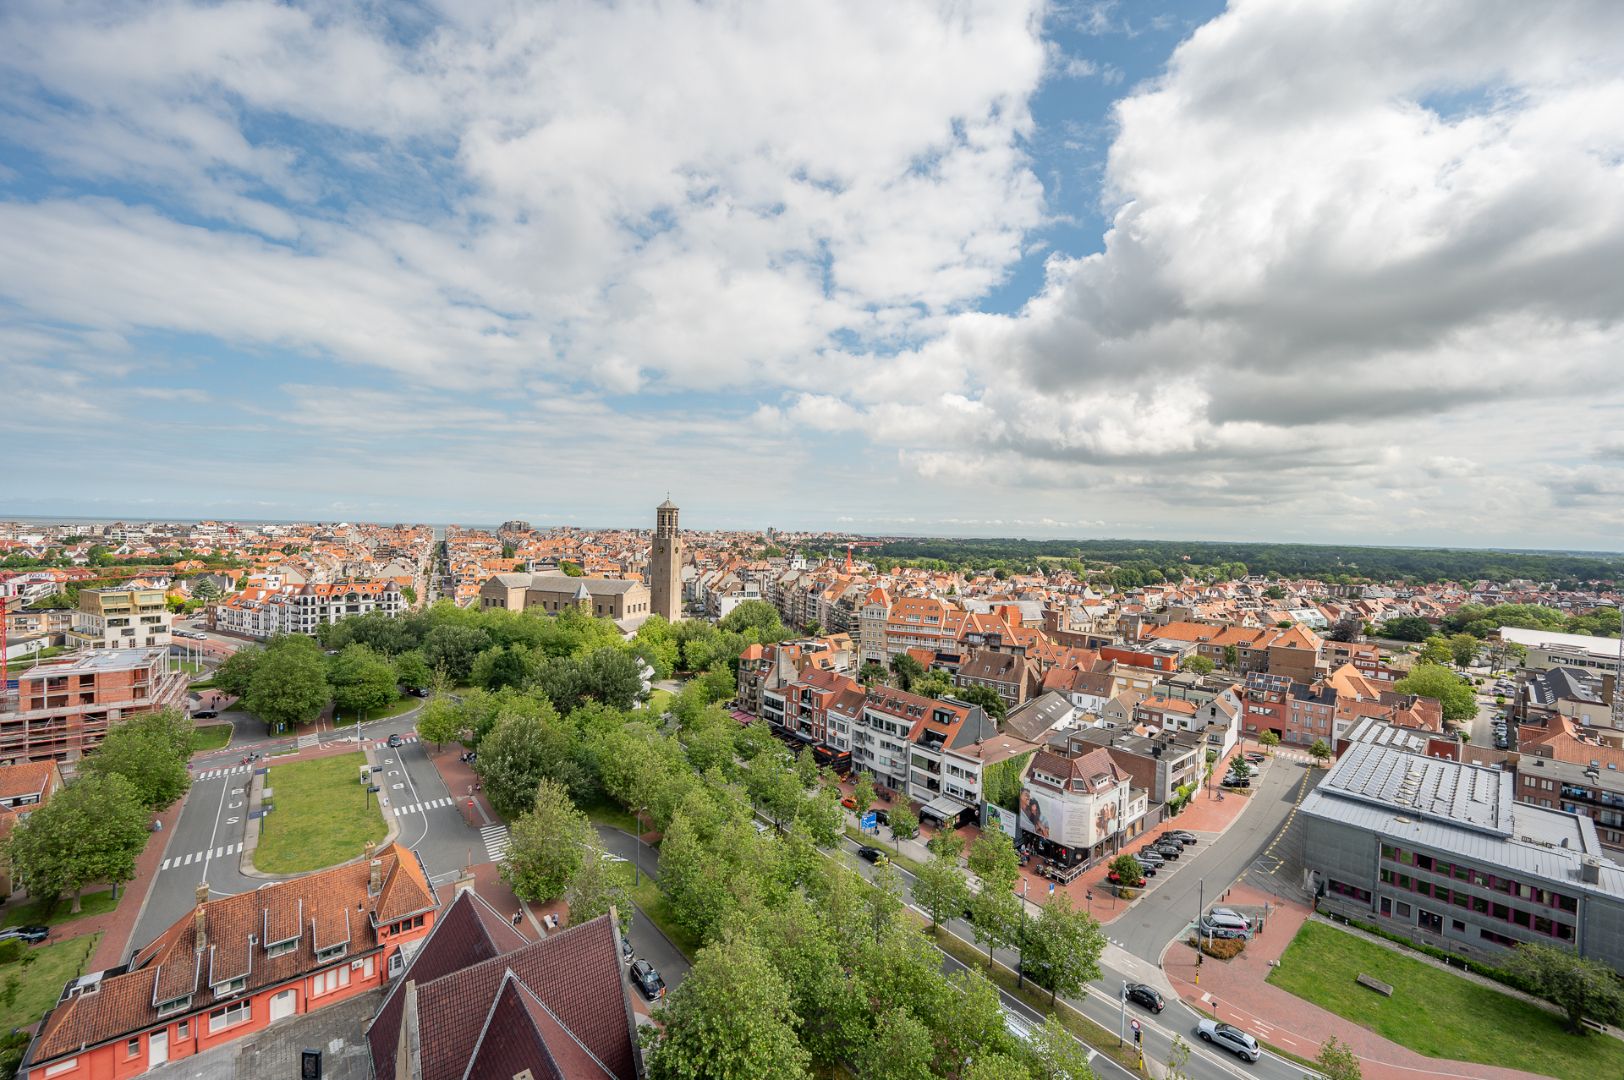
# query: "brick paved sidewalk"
(1237, 991)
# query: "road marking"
(496, 840)
(164, 866)
(188, 861)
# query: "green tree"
(1320, 752)
(289, 687)
(862, 794)
(1435, 650)
(1268, 739)
(452, 648)
(1435, 681)
(993, 859)
(1463, 649)
(932, 684)
(947, 843)
(906, 669)
(1061, 948)
(514, 758)
(694, 890)
(1579, 987)
(595, 887)
(361, 680)
(871, 673)
(731, 1019)
(940, 888)
(1057, 1054)
(500, 667)
(1336, 1061)
(883, 898)
(236, 672)
(145, 758)
(900, 1049)
(773, 786)
(1406, 628)
(904, 822)
(90, 831)
(413, 671)
(440, 721)
(989, 699)
(995, 915)
(754, 615)
(610, 675)
(822, 817)
(1199, 664)
(1128, 870)
(547, 845)
(1232, 658)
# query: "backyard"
(322, 816)
(40, 982)
(1436, 1013)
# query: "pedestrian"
(516, 916)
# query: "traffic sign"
(1135, 1024)
(870, 820)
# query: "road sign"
(870, 820)
(1135, 1024)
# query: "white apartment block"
(263, 613)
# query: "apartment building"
(1076, 804)
(120, 619)
(872, 619)
(303, 609)
(922, 622)
(1011, 674)
(883, 740)
(59, 711)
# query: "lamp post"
(1020, 948)
(637, 849)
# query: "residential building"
(1074, 807)
(628, 603)
(872, 618)
(238, 964)
(923, 622)
(1439, 851)
(944, 767)
(61, 710)
(1568, 766)
(121, 619)
(23, 789)
(1011, 674)
(1159, 764)
(883, 740)
(262, 611)
(665, 564)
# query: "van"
(1229, 918)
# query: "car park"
(1229, 1037)
(1146, 996)
(871, 854)
(647, 979)
(1167, 850)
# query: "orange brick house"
(235, 966)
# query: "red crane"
(850, 544)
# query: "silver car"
(1231, 1038)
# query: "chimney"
(1590, 871)
(201, 931)
(374, 876)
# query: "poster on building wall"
(999, 818)
(1044, 814)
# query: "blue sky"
(1079, 269)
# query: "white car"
(1231, 1038)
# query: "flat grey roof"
(98, 660)
(1463, 795)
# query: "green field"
(659, 701)
(321, 816)
(210, 737)
(40, 983)
(402, 704)
(1436, 1013)
(651, 905)
(33, 912)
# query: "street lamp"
(1020, 949)
(637, 849)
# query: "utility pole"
(1618, 674)
(1122, 1019)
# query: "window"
(396, 964)
(1403, 910)
(61, 1067)
(132, 1047)
(178, 1005)
(183, 1030)
(230, 986)
(325, 982)
(230, 1016)
(1457, 926)
(332, 953)
(281, 948)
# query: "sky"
(1330, 271)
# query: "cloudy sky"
(1311, 271)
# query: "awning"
(743, 717)
(943, 808)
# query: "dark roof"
(1038, 716)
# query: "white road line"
(188, 861)
(163, 867)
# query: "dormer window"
(332, 953)
(230, 986)
(174, 1005)
(281, 948)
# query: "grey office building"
(1440, 852)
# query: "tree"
(822, 817)
(1319, 752)
(754, 615)
(1232, 658)
(1435, 650)
(361, 680)
(900, 1049)
(611, 675)
(1407, 628)
(1463, 649)
(513, 760)
(1199, 664)
(932, 684)
(1336, 1061)
(906, 669)
(871, 673)
(1579, 987)
(546, 845)
(862, 794)
(1347, 628)
(413, 671)
(148, 760)
(731, 1019)
(773, 786)
(595, 887)
(994, 861)
(1435, 681)
(236, 672)
(904, 822)
(1061, 948)
(1057, 1054)
(989, 699)
(883, 897)
(947, 843)
(696, 893)
(90, 831)
(440, 721)
(941, 889)
(1128, 870)
(289, 687)
(500, 667)
(1268, 739)
(452, 648)
(995, 915)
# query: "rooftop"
(98, 660)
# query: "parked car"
(1167, 849)
(1150, 855)
(849, 803)
(647, 979)
(1148, 996)
(1229, 1037)
(1209, 929)
(626, 950)
(31, 934)
(1230, 915)
(1116, 879)
(871, 854)
(396, 740)
(204, 714)
(1256, 758)
(883, 817)
(1237, 782)
(1183, 836)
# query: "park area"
(1436, 1013)
(322, 816)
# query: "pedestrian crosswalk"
(200, 857)
(432, 804)
(495, 838)
(233, 771)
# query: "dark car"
(1237, 782)
(1182, 836)
(1149, 854)
(872, 854)
(204, 714)
(1255, 758)
(882, 817)
(31, 934)
(1167, 849)
(626, 950)
(647, 979)
(1148, 996)
(396, 740)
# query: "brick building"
(61, 710)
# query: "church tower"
(665, 564)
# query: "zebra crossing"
(495, 839)
(415, 808)
(234, 770)
(200, 857)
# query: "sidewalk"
(117, 925)
(1238, 992)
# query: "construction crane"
(850, 544)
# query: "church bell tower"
(665, 564)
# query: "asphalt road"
(647, 941)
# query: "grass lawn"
(32, 912)
(210, 737)
(659, 701)
(40, 983)
(321, 816)
(1436, 1013)
(608, 812)
(652, 904)
(404, 703)
(202, 684)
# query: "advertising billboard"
(999, 818)
(1044, 813)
